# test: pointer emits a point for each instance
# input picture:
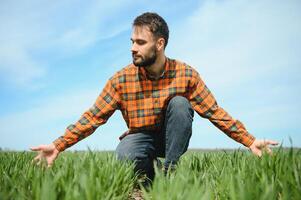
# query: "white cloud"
(233, 41)
(96, 23)
(17, 66)
(66, 28)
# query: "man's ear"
(160, 44)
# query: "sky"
(56, 56)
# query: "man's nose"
(134, 48)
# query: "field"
(200, 175)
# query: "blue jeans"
(144, 147)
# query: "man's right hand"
(48, 152)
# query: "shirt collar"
(145, 75)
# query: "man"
(157, 97)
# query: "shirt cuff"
(248, 140)
(60, 144)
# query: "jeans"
(144, 147)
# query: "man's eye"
(140, 42)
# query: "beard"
(147, 60)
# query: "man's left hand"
(262, 145)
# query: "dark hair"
(155, 23)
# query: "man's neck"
(156, 70)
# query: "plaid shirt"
(143, 102)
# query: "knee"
(129, 151)
(135, 147)
(179, 101)
(180, 104)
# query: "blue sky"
(56, 56)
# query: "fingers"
(37, 148)
(37, 160)
(43, 156)
(271, 142)
(40, 160)
(262, 145)
(257, 152)
(49, 163)
(268, 150)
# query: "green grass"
(200, 175)
(73, 176)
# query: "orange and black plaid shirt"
(143, 102)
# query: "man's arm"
(206, 106)
(106, 103)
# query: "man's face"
(143, 49)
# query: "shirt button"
(155, 83)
